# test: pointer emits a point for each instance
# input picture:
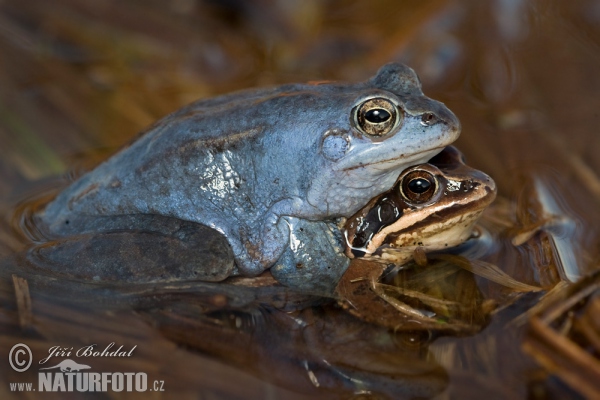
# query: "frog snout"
(489, 186)
(440, 114)
(450, 120)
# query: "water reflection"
(544, 211)
(307, 343)
(521, 76)
(300, 342)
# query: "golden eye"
(418, 187)
(377, 116)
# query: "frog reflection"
(247, 163)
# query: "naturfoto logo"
(70, 378)
(69, 366)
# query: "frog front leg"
(259, 245)
(313, 261)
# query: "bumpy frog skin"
(239, 163)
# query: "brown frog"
(433, 206)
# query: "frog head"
(432, 206)
(391, 125)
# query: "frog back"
(235, 155)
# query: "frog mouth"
(406, 160)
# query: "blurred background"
(79, 78)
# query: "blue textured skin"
(240, 162)
(314, 259)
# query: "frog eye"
(429, 118)
(376, 116)
(418, 187)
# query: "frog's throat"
(414, 158)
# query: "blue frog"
(246, 164)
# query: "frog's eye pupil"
(377, 115)
(419, 185)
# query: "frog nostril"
(429, 118)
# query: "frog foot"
(382, 291)
(362, 295)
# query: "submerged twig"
(23, 302)
(490, 272)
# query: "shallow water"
(79, 79)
